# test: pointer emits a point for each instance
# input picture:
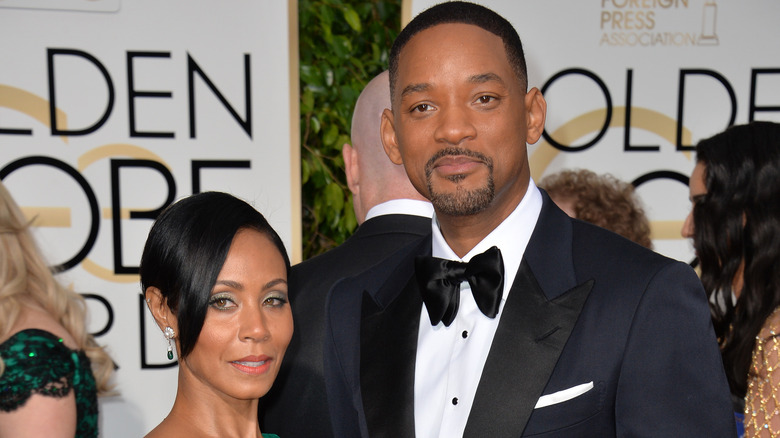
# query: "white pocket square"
(562, 396)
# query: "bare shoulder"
(162, 430)
(41, 416)
(34, 317)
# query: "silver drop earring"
(169, 334)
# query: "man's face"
(460, 121)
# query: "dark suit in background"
(391, 213)
(296, 406)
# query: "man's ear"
(351, 168)
(158, 305)
(535, 113)
(389, 139)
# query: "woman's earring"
(169, 334)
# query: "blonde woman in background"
(51, 369)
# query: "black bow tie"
(440, 279)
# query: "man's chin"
(462, 202)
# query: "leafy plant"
(343, 45)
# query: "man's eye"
(486, 99)
(421, 108)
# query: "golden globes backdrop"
(110, 110)
(632, 85)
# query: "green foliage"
(343, 44)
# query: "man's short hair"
(466, 13)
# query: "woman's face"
(697, 188)
(248, 323)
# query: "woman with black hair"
(214, 274)
(735, 226)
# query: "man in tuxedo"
(509, 319)
(391, 213)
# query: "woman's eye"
(275, 301)
(222, 303)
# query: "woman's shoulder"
(36, 337)
(35, 362)
(34, 317)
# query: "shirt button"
(465, 334)
(455, 400)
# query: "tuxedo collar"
(399, 269)
(393, 223)
(538, 317)
(511, 236)
(528, 342)
(549, 252)
(388, 349)
(404, 206)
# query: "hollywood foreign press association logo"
(654, 23)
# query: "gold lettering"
(617, 20)
(606, 17)
(651, 20)
(629, 21)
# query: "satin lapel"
(529, 339)
(380, 285)
(388, 348)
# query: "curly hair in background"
(602, 200)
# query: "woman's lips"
(252, 364)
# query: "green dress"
(37, 362)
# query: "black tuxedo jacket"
(586, 306)
(297, 405)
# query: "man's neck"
(463, 233)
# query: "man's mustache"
(456, 151)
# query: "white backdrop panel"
(677, 67)
(153, 101)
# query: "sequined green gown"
(37, 362)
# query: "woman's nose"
(687, 228)
(253, 326)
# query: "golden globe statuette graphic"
(708, 36)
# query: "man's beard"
(462, 202)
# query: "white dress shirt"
(401, 206)
(450, 359)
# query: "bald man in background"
(390, 213)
